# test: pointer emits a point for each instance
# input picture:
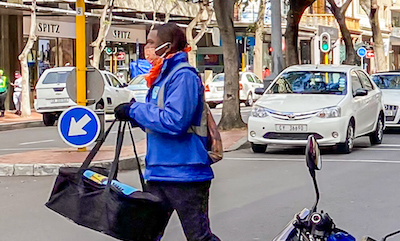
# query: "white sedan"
(51, 97)
(248, 82)
(389, 83)
(335, 103)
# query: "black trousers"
(190, 200)
(2, 101)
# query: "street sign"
(121, 56)
(361, 52)
(78, 126)
(94, 85)
(370, 54)
(333, 32)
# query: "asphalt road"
(22, 140)
(252, 197)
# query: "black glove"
(121, 112)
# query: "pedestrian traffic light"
(325, 42)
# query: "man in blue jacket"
(177, 164)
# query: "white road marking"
(388, 145)
(378, 149)
(34, 142)
(23, 149)
(303, 160)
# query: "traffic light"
(325, 42)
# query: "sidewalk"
(47, 162)
(12, 121)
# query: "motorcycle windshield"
(289, 228)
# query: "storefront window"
(66, 49)
(47, 54)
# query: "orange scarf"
(156, 69)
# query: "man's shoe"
(2, 114)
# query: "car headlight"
(330, 112)
(258, 111)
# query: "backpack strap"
(198, 130)
(161, 92)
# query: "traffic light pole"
(326, 58)
(276, 37)
(80, 55)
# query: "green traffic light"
(325, 47)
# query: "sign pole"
(362, 62)
(80, 55)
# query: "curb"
(20, 125)
(236, 146)
(127, 163)
(38, 169)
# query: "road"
(47, 137)
(252, 197)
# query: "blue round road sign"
(362, 52)
(79, 126)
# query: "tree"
(204, 7)
(297, 8)
(100, 43)
(231, 117)
(259, 29)
(23, 58)
(339, 13)
(157, 8)
(371, 8)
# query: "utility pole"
(276, 37)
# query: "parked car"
(51, 97)
(138, 85)
(389, 83)
(248, 82)
(335, 103)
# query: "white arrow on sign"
(76, 128)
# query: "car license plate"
(220, 88)
(389, 113)
(291, 128)
(61, 100)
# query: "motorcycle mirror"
(313, 156)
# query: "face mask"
(150, 53)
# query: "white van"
(51, 97)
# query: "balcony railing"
(315, 20)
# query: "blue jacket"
(173, 154)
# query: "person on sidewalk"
(17, 91)
(177, 163)
(3, 92)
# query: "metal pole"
(362, 62)
(80, 55)
(276, 37)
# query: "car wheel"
(257, 148)
(49, 119)
(212, 105)
(376, 137)
(249, 100)
(348, 145)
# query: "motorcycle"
(309, 224)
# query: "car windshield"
(56, 78)
(138, 80)
(221, 77)
(310, 82)
(387, 81)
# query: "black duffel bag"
(108, 206)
